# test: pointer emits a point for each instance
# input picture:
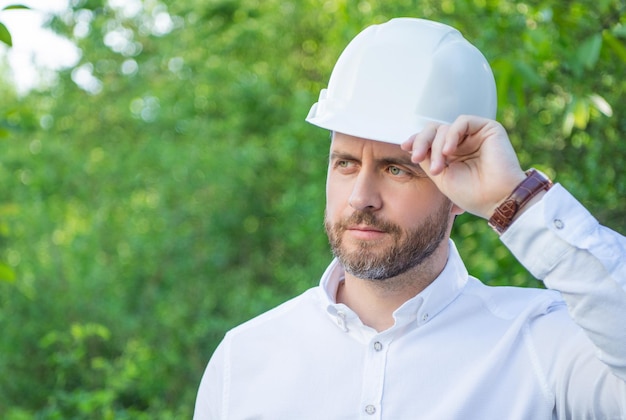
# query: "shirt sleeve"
(561, 243)
(209, 400)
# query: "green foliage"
(167, 188)
(5, 35)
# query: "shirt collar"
(422, 308)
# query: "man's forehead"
(348, 140)
(346, 144)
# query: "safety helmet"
(394, 78)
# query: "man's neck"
(375, 301)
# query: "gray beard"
(410, 248)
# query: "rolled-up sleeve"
(561, 243)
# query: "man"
(397, 329)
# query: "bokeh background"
(166, 188)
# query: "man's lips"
(364, 228)
(364, 232)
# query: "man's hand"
(471, 161)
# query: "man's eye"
(394, 170)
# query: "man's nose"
(365, 192)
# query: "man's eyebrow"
(402, 160)
(338, 154)
(391, 160)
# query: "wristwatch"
(504, 214)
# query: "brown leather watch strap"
(505, 213)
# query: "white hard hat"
(394, 78)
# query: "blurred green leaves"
(6, 273)
(5, 35)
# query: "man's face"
(384, 215)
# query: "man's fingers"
(419, 145)
(407, 145)
(438, 145)
(437, 158)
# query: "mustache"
(367, 218)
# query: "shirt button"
(370, 409)
(558, 223)
(425, 317)
(378, 346)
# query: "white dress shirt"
(458, 350)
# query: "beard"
(409, 248)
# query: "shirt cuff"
(548, 230)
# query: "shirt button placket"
(374, 379)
